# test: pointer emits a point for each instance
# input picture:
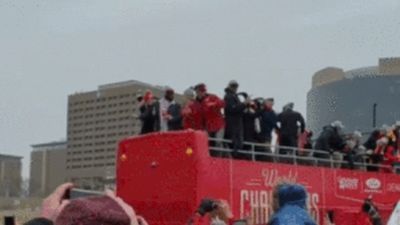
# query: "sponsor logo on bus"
(393, 187)
(346, 183)
(373, 185)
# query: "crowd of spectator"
(289, 206)
(240, 119)
(379, 153)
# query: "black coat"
(176, 122)
(329, 140)
(373, 138)
(288, 123)
(249, 125)
(150, 117)
(234, 111)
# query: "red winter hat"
(93, 211)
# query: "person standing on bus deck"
(269, 121)
(174, 117)
(331, 141)
(211, 108)
(388, 154)
(149, 114)
(191, 112)
(289, 122)
(234, 111)
(165, 103)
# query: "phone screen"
(9, 220)
(81, 193)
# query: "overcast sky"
(51, 48)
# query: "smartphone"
(240, 222)
(9, 220)
(75, 193)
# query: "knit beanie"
(93, 211)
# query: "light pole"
(374, 115)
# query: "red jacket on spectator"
(211, 107)
(389, 156)
(192, 116)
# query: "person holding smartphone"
(214, 212)
(108, 209)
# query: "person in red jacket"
(192, 115)
(211, 106)
(388, 153)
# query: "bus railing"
(255, 151)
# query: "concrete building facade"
(97, 120)
(10, 176)
(350, 96)
(47, 168)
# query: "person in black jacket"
(269, 121)
(249, 122)
(149, 114)
(289, 122)
(174, 117)
(234, 111)
(371, 145)
(330, 140)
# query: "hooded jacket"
(329, 140)
(292, 207)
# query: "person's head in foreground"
(290, 205)
(218, 211)
(102, 210)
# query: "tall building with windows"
(10, 175)
(47, 169)
(97, 120)
(361, 98)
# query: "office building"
(10, 176)
(97, 120)
(47, 169)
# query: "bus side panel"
(248, 187)
(157, 175)
(165, 176)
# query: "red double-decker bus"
(164, 176)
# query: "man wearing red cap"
(211, 106)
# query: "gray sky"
(52, 48)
